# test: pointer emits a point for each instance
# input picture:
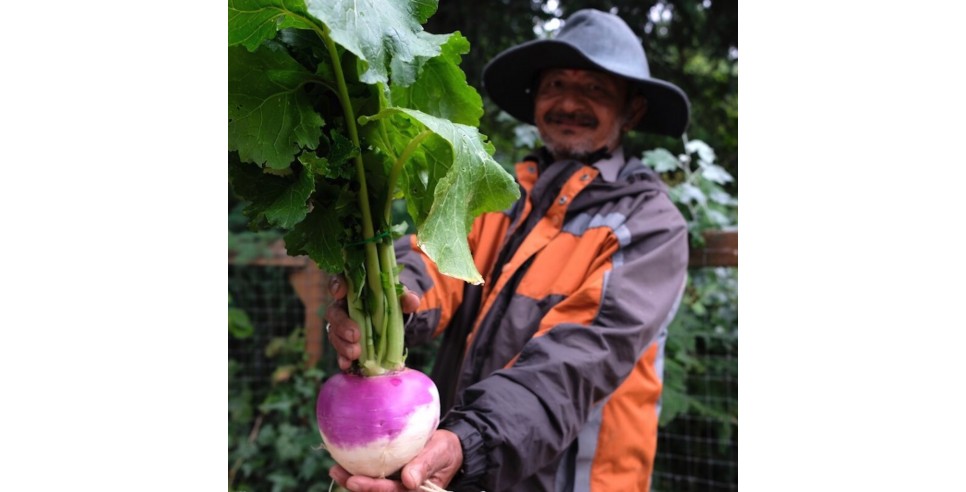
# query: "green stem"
(392, 352)
(397, 168)
(395, 332)
(376, 296)
(358, 314)
(381, 311)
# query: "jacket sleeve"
(440, 295)
(520, 419)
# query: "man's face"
(578, 111)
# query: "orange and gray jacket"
(550, 372)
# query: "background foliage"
(691, 43)
(698, 438)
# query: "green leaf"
(690, 193)
(441, 89)
(341, 150)
(716, 173)
(270, 118)
(387, 35)
(718, 218)
(282, 481)
(674, 402)
(250, 22)
(291, 206)
(287, 446)
(465, 182)
(661, 160)
(337, 164)
(705, 152)
(239, 325)
(320, 237)
(722, 197)
(428, 166)
(279, 201)
(698, 309)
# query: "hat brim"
(509, 78)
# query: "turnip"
(336, 110)
(389, 417)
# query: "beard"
(574, 147)
(578, 150)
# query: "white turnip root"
(374, 425)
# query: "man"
(550, 372)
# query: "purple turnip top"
(354, 410)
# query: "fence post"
(720, 249)
(309, 284)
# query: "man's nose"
(570, 101)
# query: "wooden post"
(309, 283)
(720, 249)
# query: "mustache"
(571, 118)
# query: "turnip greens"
(336, 108)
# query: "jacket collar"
(610, 167)
(609, 164)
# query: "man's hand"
(438, 462)
(343, 332)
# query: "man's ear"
(636, 111)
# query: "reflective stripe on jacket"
(550, 373)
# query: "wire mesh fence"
(277, 361)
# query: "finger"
(346, 351)
(438, 462)
(339, 474)
(340, 324)
(360, 483)
(343, 333)
(409, 301)
(337, 287)
(414, 475)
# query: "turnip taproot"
(374, 425)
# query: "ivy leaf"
(387, 35)
(239, 325)
(270, 119)
(250, 22)
(465, 181)
(441, 89)
(661, 160)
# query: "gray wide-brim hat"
(589, 40)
